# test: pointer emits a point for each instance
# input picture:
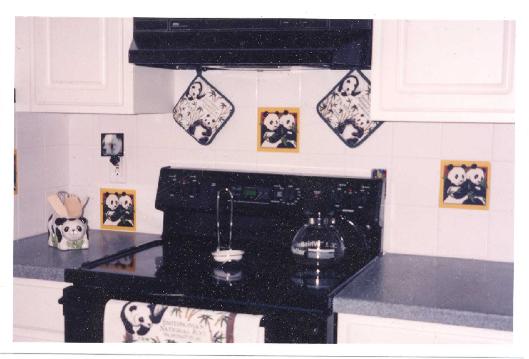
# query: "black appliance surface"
(295, 299)
(190, 43)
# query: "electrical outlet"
(118, 174)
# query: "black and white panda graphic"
(138, 317)
(126, 210)
(289, 129)
(455, 189)
(67, 233)
(270, 130)
(476, 185)
(110, 209)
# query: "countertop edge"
(423, 314)
(33, 272)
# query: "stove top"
(268, 209)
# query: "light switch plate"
(118, 174)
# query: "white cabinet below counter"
(37, 314)
(360, 329)
(80, 65)
(446, 71)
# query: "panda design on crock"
(67, 233)
(112, 215)
(270, 131)
(476, 185)
(456, 190)
(138, 318)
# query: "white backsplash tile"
(56, 130)
(411, 140)
(278, 89)
(466, 141)
(81, 163)
(29, 130)
(56, 166)
(503, 142)
(82, 129)
(500, 246)
(316, 84)
(31, 211)
(463, 233)
(502, 186)
(158, 131)
(31, 168)
(415, 181)
(415, 225)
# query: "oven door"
(84, 308)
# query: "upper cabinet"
(81, 65)
(455, 71)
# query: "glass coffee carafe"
(318, 241)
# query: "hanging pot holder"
(202, 110)
(346, 109)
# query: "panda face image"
(475, 175)
(138, 318)
(348, 86)
(138, 315)
(287, 121)
(362, 121)
(112, 201)
(125, 201)
(194, 91)
(210, 121)
(271, 121)
(70, 229)
(457, 175)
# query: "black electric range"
(268, 209)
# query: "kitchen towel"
(202, 110)
(129, 322)
(346, 108)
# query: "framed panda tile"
(202, 110)
(346, 108)
(118, 209)
(278, 129)
(465, 184)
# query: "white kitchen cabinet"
(80, 65)
(37, 315)
(451, 71)
(354, 328)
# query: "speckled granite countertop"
(432, 289)
(33, 258)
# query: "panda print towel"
(202, 110)
(137, 322)
(346, 108)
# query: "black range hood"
(251, 43)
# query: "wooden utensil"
(57, 205)
(73, 205)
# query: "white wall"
(411, 152)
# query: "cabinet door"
(78, 64)
(458, 71)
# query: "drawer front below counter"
(370, 330)
(37, 315)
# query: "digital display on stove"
(249, 192)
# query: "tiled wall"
(42, 145)
(411, 152)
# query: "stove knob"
(290, 195)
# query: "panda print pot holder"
(346, 109)
(202, 110)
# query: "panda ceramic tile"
(202, 110)
(278, 129)
(118, 209)
(465, 184)
(346, 109)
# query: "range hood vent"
(251, 43)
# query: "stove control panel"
(266, 194)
